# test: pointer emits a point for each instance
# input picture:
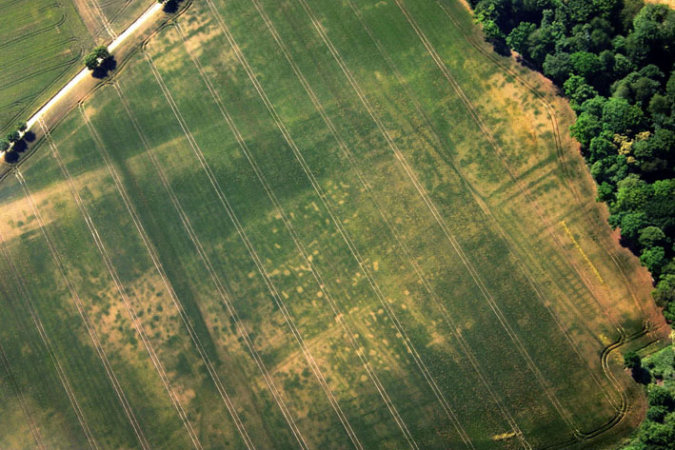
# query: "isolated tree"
(21, 126)
(94, 59)
(4, 145)
(631, 360)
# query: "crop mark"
(128, 410)
(581, 251)
(350, 157)
(193, 335)
(439, 219)
(318, 190)
(224, 292)
(38, 323)
(481, 204)
(161, 371)
(558, 141)
(282, 307)
(226, 297)
(334, 307)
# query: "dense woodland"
(613, 60)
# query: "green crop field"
(107, 18)
(42, 44)
(293, 223)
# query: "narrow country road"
(148, 15)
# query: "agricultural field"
(286, 223)
(106, 19)
(41, 46)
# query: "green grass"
(42, 45)
(322, 244)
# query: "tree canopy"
(96, 57)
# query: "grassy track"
(321, 223)
(42, 44)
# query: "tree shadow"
(500, 47)
(107, 65)
(20, 146)
(29, 136)
(11, 157)
(641, 375)
(172, 6)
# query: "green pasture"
(41, 46)
(322, 237)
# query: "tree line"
(613, 60)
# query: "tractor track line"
(284, 131)
(193, 334)
(350, 157)
(119, 391)
(21, 283)
(481, 203)
(137, 323)
(334, 307)
(289, 320)
(226, 297)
